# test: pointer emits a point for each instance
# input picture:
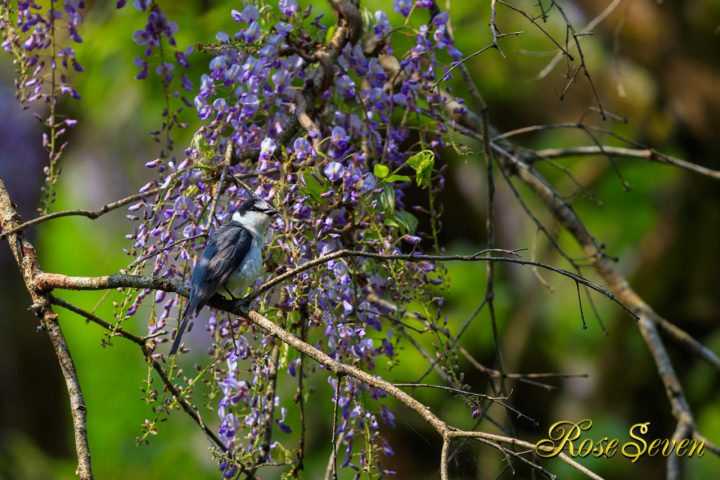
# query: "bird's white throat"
(256, 222)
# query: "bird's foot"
(242, 303)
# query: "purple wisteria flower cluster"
(160, 49)
(29, 32)
(333, 150)
(32, 32)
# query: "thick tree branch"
(49, 281)
(26, 258)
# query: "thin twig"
(334, 428)
(269, 414)
(645, 154)
(92, 214)
(450, 389)
(521, 377)
(218, 192)
(588, 29)
(90, 283)
(490, 227)
(300, 395)
(497, 399)
(142, 343)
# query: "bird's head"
(255, 214)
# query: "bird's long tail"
(183, 324)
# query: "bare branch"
(523, 377)
(642, 153)
(91, 214)
(588, 29)
(489, 437)
(27, 261)
(447, 432)
(49, 280)
(330, 364)
(187, 407)
(466, 393)
(444, 458)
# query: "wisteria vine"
(327, 136)
(31, 34)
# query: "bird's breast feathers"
(248, 271)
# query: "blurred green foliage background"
(656, 64)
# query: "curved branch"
(48, 281)
(446, 431)
(26, 258)
(142, 343)
(476, 257)
(91, 214)
(94, 214)
(642, 153)
(491, 438)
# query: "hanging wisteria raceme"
(335, 142)
(160, 54)
(32, 33)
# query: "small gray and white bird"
(232, 259)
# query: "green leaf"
(403, 220)
(200, 143)
(281, 453)
(387, 199)
(313, 188)
(423, 163)
(424, 173)
(397, 178)
(415, 161)
(408, 220)
(380, 171)
(329, 34)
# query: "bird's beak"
(272, 212)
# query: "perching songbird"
(232, 259)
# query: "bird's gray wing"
(226, 249)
